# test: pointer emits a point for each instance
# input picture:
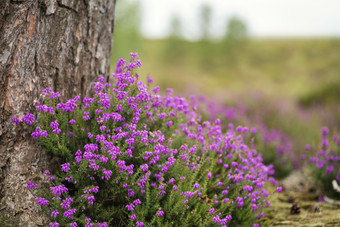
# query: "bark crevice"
(62, 5)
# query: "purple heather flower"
(54, 224)
(28, 119)
(119, 108)
(144, 167)
(226, 200)
(325, 131)
(31, 185)
(66, 203)
(169, 124)
(209, 175)
(55, 213)
(212, 210)
(90, 199)
(329, 169)
(87, 219)
(233, 164)
(169, 91)
(171, 181)
(279, 189)
(190, 194)
(69, 179)
(98, 111)
(16, 120)
(54, 124)
(239, 129)
(56, 131)
(155, 89)
(216, 219)
(133, 217)
(139, 224)
(101, 79)
(313, 159)
(58, 190)
(260, 215)
(320, 164)
(239, 201)
(130, 192)
(225, 192)
(69, 213)
(98, 86)
(107, 174)
(160, 213)
(65, 167)
(73, 224)
(130, 207)
(149, 80)
(42, 201)
(134, 55)
(86, 116)
(137, 201)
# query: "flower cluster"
(131, 155)
(326, 162)
(275, 145)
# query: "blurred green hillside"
(292, 69)
(281, 68)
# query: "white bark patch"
(51, 7)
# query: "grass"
(279, 68)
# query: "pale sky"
(264, 18)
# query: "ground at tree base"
(298, 205)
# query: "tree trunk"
(60, 44)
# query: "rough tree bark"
(61, 44)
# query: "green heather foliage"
(131, 156)
(328, 94)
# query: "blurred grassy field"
(285, 69)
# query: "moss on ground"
(312, 212)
